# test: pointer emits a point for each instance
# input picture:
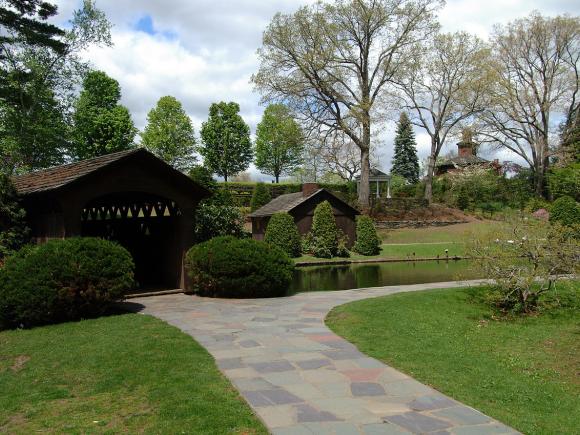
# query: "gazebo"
(377, 177)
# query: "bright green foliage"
(283, 233)
(324, 231)
(405, 161)
(279, 142)
(169, 134)
(260, 196)
(214, 217)
(566, 211)
(239, 268)
(226, 148)
(367, 240)
(63, 280)
(565, 181)
(101, 125)
(13, 231)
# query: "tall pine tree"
(405, 161)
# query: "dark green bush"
(238, 268)
(13, 231)
(367, 239)
(213, 218)
(283, 233)
(63, 280)
(324, 231)
(260, 197)
(565, 210)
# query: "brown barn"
(301, 207)
(131, 197)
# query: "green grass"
(128, 373)
(523, 371)
(451, 233)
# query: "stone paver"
(301, 378)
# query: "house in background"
(131, 197)
(465, 159)
(300, 206)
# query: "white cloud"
(211, 52)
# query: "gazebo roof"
(376, 175)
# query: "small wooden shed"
(131, 197)
(300, 206)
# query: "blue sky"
(202, 51)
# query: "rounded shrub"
(260, 197)
(63, 280)
(238, 268)
(283, 233)
(324, 231)
(367, 239)
(566, 211)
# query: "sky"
(204, 51)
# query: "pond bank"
(347, 261)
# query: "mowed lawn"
(523, 371)
(120, 374)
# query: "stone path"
(301, 378)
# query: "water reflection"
(317, 278)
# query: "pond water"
(343, 277)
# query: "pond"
(343, 277)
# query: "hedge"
(63, 280)
(283, 233)
(238, 268)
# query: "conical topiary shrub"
(283, 233)
(260, 197)
(367, 240)
(324, 231)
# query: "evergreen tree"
(260, 197)
(169, 134)
(405, 161)
(13, 230)
(569, 150)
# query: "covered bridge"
(300, 206)
(131, 197)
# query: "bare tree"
(444, 88)
(535, 77)
(332, 63)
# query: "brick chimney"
(309, 188)
(465, 149)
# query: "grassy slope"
(523, 372)
(128, 373)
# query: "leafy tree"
(283, 233)
(405, 161)
(169, 134)
(535, 79)
(324, 232)
(39, 79)
(203, 177)
(13, 231)
(260, 196)
(565, 181)
(226, 147)
(332, 63)
(101, 125)
(367, 240)
(569, 149)
(279, 142)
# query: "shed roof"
(289, 201)
(64, 175)
(376, 175)
(462, 162)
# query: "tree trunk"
(226, 177)
(277, 177)
(429, 179)
(364, 185)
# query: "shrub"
(367, 240)
(63, 280)
(13, 231)
(342, 248)
(204, 177)
(565, 182)
(238, 268)
(324, 231)
(565, 211)
(525, 259)
(260, 197)
(535, 204)
(283, 233)
(215, 219)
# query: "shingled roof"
(288, 202)
(462, 162)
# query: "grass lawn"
(128, 373)
(450, 233)
(523, 372)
